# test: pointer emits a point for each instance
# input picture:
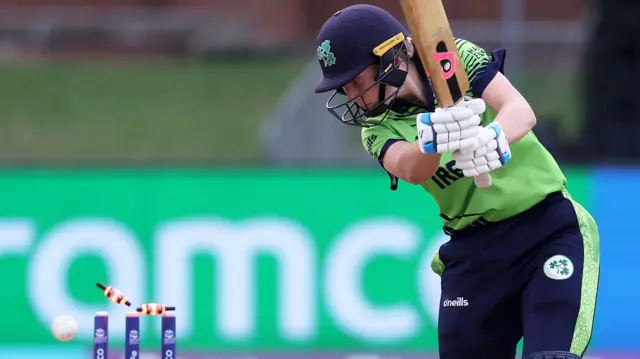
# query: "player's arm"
(398, 157)
(405, 160)
(515, 115)
(485, 72)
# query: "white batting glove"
(490, 152)
(450, 129)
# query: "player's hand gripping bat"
(433, 39)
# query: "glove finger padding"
(477, 105)
(463, 135)
(471, 122)
(447, 130)
(456, 128)
(465, 165)
(492, 156)
(492, 146)
(484, 137)
(451, 114)
(446, 127)
(462, 156)
(491, 151)
(478, 170)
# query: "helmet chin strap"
(381, 107)
(394, 78)
(381, 93)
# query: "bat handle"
(483, 180)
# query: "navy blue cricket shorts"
(534, 275)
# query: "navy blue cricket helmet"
(349, 42)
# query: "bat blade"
(436, 47)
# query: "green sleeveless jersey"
(525, 180)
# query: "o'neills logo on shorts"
(459, 302)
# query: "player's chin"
(376, 111)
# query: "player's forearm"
(405, 160)
(516, 117)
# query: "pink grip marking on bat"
(449, 57)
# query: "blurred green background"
(186, 110)
(190, 110)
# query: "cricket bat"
(433, 39)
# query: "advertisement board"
(267, 261)
(251, 259)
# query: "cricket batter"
(523, 257)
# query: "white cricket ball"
(64, 328)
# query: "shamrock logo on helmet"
(325, 54)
